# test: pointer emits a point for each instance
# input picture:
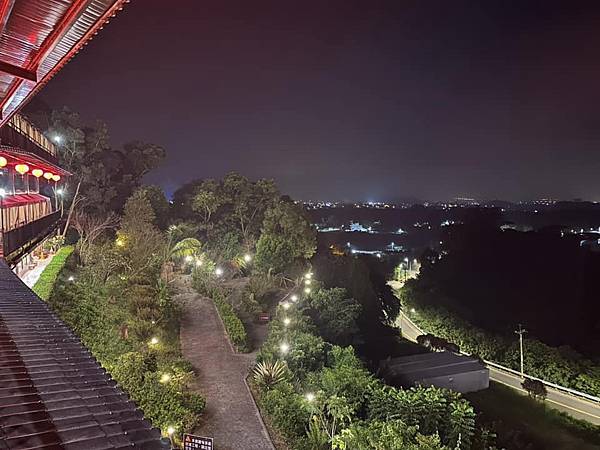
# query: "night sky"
(365, 100)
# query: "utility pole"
(520, 332)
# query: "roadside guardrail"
(558, 387)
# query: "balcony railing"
(19, 241)
(20, 133)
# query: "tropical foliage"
(124, 314)
(332, 401)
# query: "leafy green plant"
(268, 374)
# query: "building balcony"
(18, 241)
(21, 135)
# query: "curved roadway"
(577, 407)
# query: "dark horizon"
(354, 101)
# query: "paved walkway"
(231, 417)
(30, 276)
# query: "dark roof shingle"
(53, 392)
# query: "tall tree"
(139, 239)
(286, 236)
(106, 176)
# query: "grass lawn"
(522, 422)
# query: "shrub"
(233, 325)
(306, 354)
(287, 410)
(165, 404)
(44, 286)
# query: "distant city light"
(57, 138)
(247, 258)
(218, 271)
(154, 341)
(71, 278)
(286, 321)
(198, 262)
(285, 305)
(307, 291)
(294, 298)
(284, 348)
(189, 258)
(170, 431)
(310, 397)
(307, 282)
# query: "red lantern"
(22, 168)
(56, 177)
(3, 161)
(37, 173)
(48, 175)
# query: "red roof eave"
(21, 90)
(17, 156)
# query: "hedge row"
(233, 325)
(44, 286)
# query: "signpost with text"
(191, 442)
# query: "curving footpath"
(231, 416)
(577, 407)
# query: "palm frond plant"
(268, 374)
(184, 248)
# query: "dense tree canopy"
(229, 212)
(286, 237)
(108, 175)
(335, 313)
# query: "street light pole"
(520, 332)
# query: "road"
(577, 407)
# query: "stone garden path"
(231, 417)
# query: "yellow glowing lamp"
(37, 173)
(56, 177)
(22, 168)
(3, 161)
(48, 175)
